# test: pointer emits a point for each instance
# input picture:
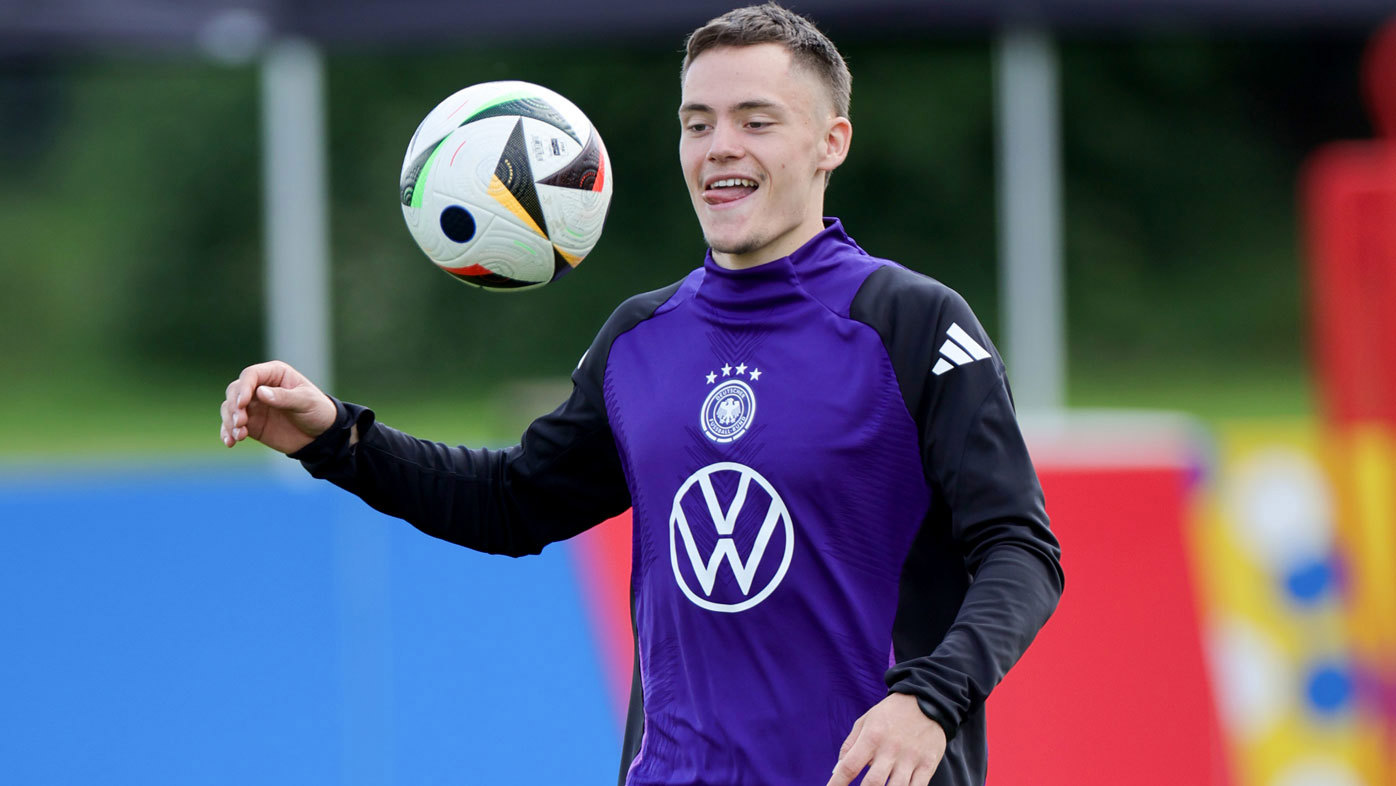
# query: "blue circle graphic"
(1330, 688)
(457, 224)
(1310, 580)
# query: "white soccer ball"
(505, 185)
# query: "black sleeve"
(989, 507)
(563, 477)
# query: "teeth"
(734, 181)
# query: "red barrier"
(1349, 194)
(1350, 189)
(1115, 688)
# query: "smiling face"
(758, 137)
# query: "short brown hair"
(770, 23)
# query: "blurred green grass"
(94, 416)
(85, 415)
(1206, 388)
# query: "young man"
(840, 545)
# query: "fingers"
(852, 736)
(891, 769)
(878, 773)
(886, 770)
(233, 424)
(273, 373)
(844, 773)
(902, 775)
(223, 430)
(299, 399)
(232, 413)
(853, 757)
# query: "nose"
(724, 143)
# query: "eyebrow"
(744, 106)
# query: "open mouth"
(728, 189)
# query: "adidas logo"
(958, 350)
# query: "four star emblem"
(740, 369)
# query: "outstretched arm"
(562, 478)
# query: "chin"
(731, 242)
(734, 246)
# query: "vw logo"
(705, 527)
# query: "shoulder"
(906, 307)
(633, 311)
(929, 331)
(892, 293)
(638, 308)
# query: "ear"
(838, 136)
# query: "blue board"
(235, 626)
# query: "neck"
(778, 248)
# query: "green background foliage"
(130, 209)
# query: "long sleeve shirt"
(831, 500)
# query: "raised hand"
(275, 405)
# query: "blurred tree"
(1182, 157)
(130, 203)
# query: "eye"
(696, 128)
(758, 124)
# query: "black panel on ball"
(492, 280)
(516, 174)
(579, 173)
(536, 108)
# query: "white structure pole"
(1030, 217)
(295, 195)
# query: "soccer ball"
(505, 185)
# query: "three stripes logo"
(958, 350)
